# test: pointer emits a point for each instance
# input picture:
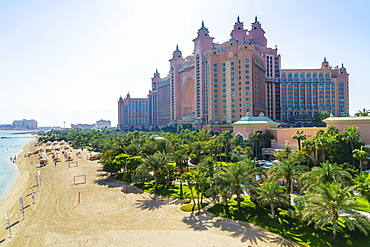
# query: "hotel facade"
(221, 82)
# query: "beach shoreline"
(106, 215)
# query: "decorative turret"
(239, 33)
(177, 54)
(203, 42)
(156, 74)
(325, 64)
(257, 34)
(343, 70)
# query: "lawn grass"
(189, 207)
(173, 191)
(294, 230)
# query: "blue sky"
(69, 61)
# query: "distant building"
(25, 124)
(102, 124)
(83, 126)
(133, 113)
(221, 82)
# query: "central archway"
(188, 98)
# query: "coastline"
(106, 215)
(9, 171)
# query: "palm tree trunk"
(155, 181)
(272, 210)
(192, 196)
(238, 197)
(181, 171)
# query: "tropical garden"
(316, 196)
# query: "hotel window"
(247, 82)
(215, 85)
(215, 91)
(224, 80)
(246, 88)
(232, 63)
(246, 60)
(215, 75)
(247, 77)
(223, 64)
(247, 66)
(223, 69)
(224, 111)
(215, 106)
(223, 106)
(215, 116)
(216, 96)
(232, 79)
(232, 73)
(215, 64)
(246, 71)
(314, 75)
(232, 84)
(302, 75)
(215, 80)
(224, 90)
(232, 68)
(224, 101)
(215, 70)
(247, 99)
(224, 116)
(216, 111)
(247, 104)
(215, 101)
(295, 75)
(223, 74)
(308, 75)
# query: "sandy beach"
(106, 215)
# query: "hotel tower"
(220, 83)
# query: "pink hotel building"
(220, 83)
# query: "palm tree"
(363, 184)
(325, 173)
(179, 156)
(208, 166)
(363, 113)
(351, 136)
(156, 163)
(289, 171)
(256, 139)
(328, 203)
(299, 137)
(360, 155)
(240, 175)
(194, 179)
(270, 193)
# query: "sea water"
(11, 144)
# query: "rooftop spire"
(342, 67)
(177, 48)
(203, 27)
(325, 60)
(156, 71)
(238, 21)
(256, 20)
